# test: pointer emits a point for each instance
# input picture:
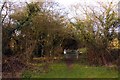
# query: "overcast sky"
(68, 3)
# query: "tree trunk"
(28, 52)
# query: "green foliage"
(59, 70)
(83, 50)
(26, 75)
(38, 25)
(43, 24)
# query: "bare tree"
(97, 29)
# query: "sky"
(65, 2)
(68, 3)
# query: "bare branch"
(1, 21)
(2, 7)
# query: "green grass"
(60, 70)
